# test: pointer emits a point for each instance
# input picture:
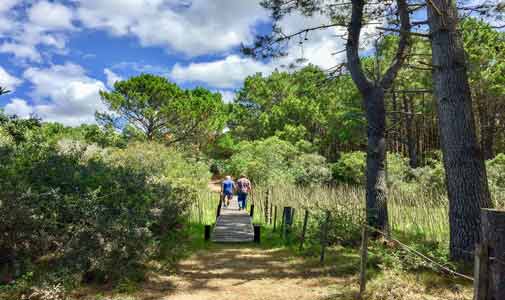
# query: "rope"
(421, 255)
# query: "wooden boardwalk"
(233, 225)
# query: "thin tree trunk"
(487, 120)
(373, 97)
(464, 166)
(409, 126)
(376, 200)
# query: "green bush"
(350, 168)
(496, 177)
(275, 161)
(97, 212)
(311, 169)
(263, 161)
(430, 178)
(397, 169)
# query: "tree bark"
(376, 189)
(487, 121)
(466, 179)
(373, 98)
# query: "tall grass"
(423, 215)
(202, 209)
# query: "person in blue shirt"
(227, 189)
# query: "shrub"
(311, 169)
(98, 212)
(430, 178)
(350, 168)
(496, 177)
(264, 161)
(397, 169)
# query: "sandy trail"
(242, 272)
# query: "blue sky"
(56, 55)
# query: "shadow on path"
(247, 272)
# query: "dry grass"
(236, 272)
(403, 286)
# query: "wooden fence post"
(282, 223)
(218, 213)
(493, 239)
(481, 278)
(267, 201)
(257, 234)
(275, 217)
(271, 211)
(207, 232)
(287, 220)
(324, 236)
(364, 259)
(304, 230)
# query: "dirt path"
(242, 272)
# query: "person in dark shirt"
(227, 188)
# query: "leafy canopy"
(161, 110)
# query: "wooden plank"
(481, 276)
(233, 225)
(493, 239)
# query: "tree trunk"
(376, 200)
(409, 126)
(487, 117)
(464, 166)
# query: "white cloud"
(31, 25)
(7, 22)
(65, 94)
(111, 77)
(8, 81)
(5, 5)
(21, 51)
(18, 107)
(50, 16)
(225, 73)
(228, 96)
(319, 48)
(191, 27)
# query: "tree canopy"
(161, 110)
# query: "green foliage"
(90, 134)
(496, 177)
(350, 168)
(310, 169)
(273, 161)
(162, 111)
(485, 50)
(264, 162)
(223, 147)
(302, 105)
(397, 168)
(103, 210)
(390, 255)
(16, 129)
(430, 178)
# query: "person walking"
(244, 188)
(227, 188)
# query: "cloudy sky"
(56, 55)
